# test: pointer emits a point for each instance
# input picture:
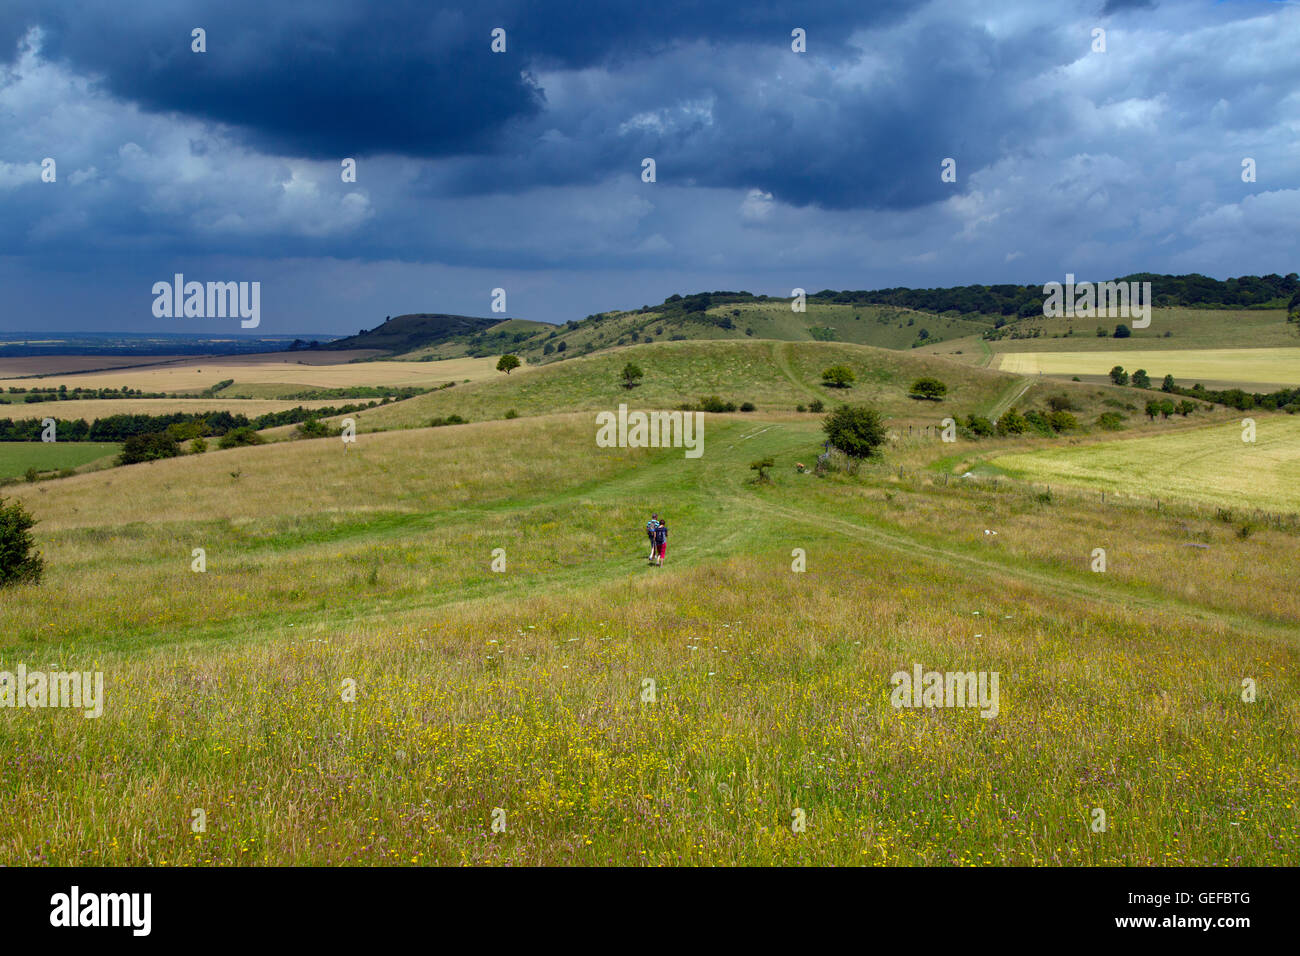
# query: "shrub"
(1011, 423)
(747, 407)
(979, 426)
(31, 475)
(856, 430)
(238, 437)
(1110, 421)
(449, 420)
(1141, 379)
(838, 376)
(712, 403)
(1168, 385)
(199, 445)
(1038, 422)
(313, 428)
(512, 413)
(1062, 421)
(801, 408)
(761, 467)
(928, 388)
(149, 447)
(816, 406)
(1118, 376)
(1061, 403)
(1122, 331)
(20, 563)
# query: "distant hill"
(407, 333)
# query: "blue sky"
(522, 170)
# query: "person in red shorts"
(661, 541)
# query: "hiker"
(650, 533)
(661, 541)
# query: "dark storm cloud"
(352, 77)
(1113, 6)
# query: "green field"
(1212, 465)
(523, 690)
(18, 456)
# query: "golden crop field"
(1210, 464)
(1264, 369)
(319, 370)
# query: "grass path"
(780, 352)
(1009, 397)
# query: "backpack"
(661, 534)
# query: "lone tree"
(838, 376)
(1118, 376)
(507, 363)
(1168, 385)
(19, 562)
(632, 375)
(1122, 331)
(761, 466)
(929, 388)
(1141, 379)
(856, 430)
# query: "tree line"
(122, 427)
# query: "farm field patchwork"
(90, 409)
(1262, 369)
(12, 366)
(307, 369)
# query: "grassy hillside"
(403, 333)
(772, 375)
(523, 690)
(881, 326)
